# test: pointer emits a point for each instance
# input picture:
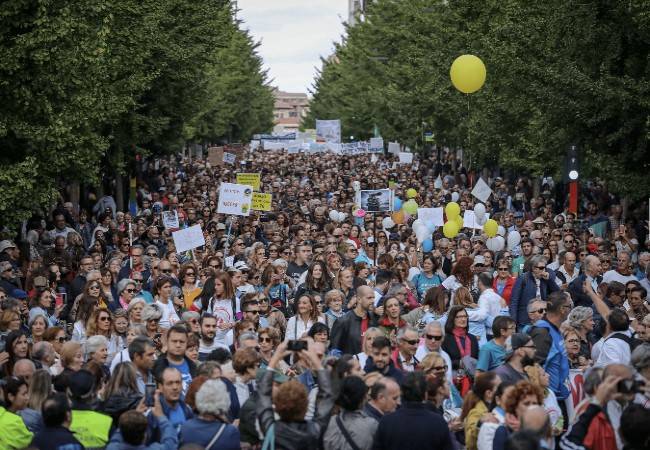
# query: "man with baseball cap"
(520, 352)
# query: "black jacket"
(414, 426)
(296, 435)
(162, 363)
(449, 345)
(346, 333)
(578, 294)
(56, 438)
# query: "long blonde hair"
(39, 389)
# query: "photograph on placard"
(375, 200)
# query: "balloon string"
(469, 137)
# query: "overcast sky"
(294, 35)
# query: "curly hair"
(290, 401)
(244, 359)
(521, 390)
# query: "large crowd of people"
(297, 328)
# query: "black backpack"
(631, 341)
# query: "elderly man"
(407, 342)
(43, 353)
(592, 274)
(434, 333)
(623, 272)
(384, 398)
(24, 368)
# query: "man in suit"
(592, 274)
(535, 282)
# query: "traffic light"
(571, 165)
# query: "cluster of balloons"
(337, 216)
(454, 220)
(404, 210)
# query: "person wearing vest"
(550, 344)
(14, 433)
(90, 427)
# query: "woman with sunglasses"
(126, 290)
(504, 281)
(443, 394)
(188, 279)
(101, 324)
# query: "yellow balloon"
(468, 73)
(411, 193)
(450, 229)
(452, 210)
(491, 227)
(410, 207)
(459, 220)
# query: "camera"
(630, 386)
(296, 345)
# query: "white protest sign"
(328, 130)
(377, 144)
(469, 220)
(188, 238)
(405, 158)
(431, 216)
(481, 190)
(393, 147)
(235, 199)
(170, 220)
(229, 158)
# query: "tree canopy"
(84, 86)
(560, 73)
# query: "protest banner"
(170, 220)
(215, 156)
(251, 179)
(229, 158)
(235, 199)
(376, 144)
(432, 216)
(405, 158)
(328, 130)
(393, 147)
(188, 238)
(481, 190)
(261, 202)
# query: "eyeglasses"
(503, 269)
(104, 319)
(190, 274)
(94, 287)
(265, 339)
(569, 241)
(540, 311)
(410, 341)
(573, 341)
(540, 267)
(166, 270)
(130, 291)
(435, 338)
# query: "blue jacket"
(168, 439)
(524, 291)
(201, 432)
(556, 363)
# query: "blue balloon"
(358, 221)
(397, 204)
(427, 245)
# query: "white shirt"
(169, 316)
(490, 301)
(297, 327)
(612, 275)
(569, 277)
(614, 351)
(121, 357)
(423, 351)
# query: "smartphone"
(296, 345)
(60, 298)
(149, 392)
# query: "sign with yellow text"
(251, 179)
(261, 202)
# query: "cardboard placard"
(188, 238)
(261, 202)
(235, 199)
(251, 179)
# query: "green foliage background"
(85, 85)
(560, 72)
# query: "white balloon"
(479, 211)
(422, 234)
(455, 196)
(501, 231)
(514, 238)
(388, 223)
(495, 244)
(334, 215)
(482, 220)
(502, 242)
(417, 223)
(438, 183)
(342, 216)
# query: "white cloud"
(294, 34)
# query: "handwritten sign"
(215, 156)
(251, 179)
(261, 202)
(405, 158)
(188, 238)
(235, 199)
(432, 216)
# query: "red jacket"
(507, 290)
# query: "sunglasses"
(266, 339)
(410, 341)
(503, 269)
(166, 271)
(540, 311)
(569, 241)
(104, 319)
(190, 274)
(153, 255)
(130, 291)
(436, 338)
